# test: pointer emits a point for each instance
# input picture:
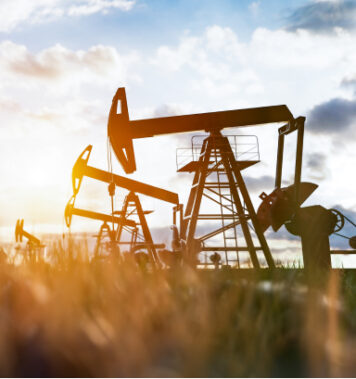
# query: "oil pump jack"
(216, 157)
(34, 245)
(120, 219)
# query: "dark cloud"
(262, 183)
(333, 116)
(316, 165)
(281, 235)
(323, 16)
(349, 82)
(316, 161)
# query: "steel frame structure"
(228, 190)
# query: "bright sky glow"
(61, 62)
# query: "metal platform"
(195, 165)
(244, 147)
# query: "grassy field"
(102, 318)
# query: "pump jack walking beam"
(81, 168)
(71, 210)
(122, 131)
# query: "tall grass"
(106, 318)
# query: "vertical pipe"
(279, 163)
(299, 158)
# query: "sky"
(61, 62)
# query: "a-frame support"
(132, 206)
(104, 231)
(216, 156)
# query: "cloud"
(15, 12)
(281, 235)
(261, 183)
(215, 57)
(316, 161)
(59, 91)
(57, 62)
(324, 16)
(216, 64)
(349, 82)
(316, 165)
(334, 116)
(9, 105)
(166, 110)
(88, 7)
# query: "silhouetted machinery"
(314, 224)
(34, 247)
(217, 176)
(216, 159)
(121, 220)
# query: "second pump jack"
(132, 205)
